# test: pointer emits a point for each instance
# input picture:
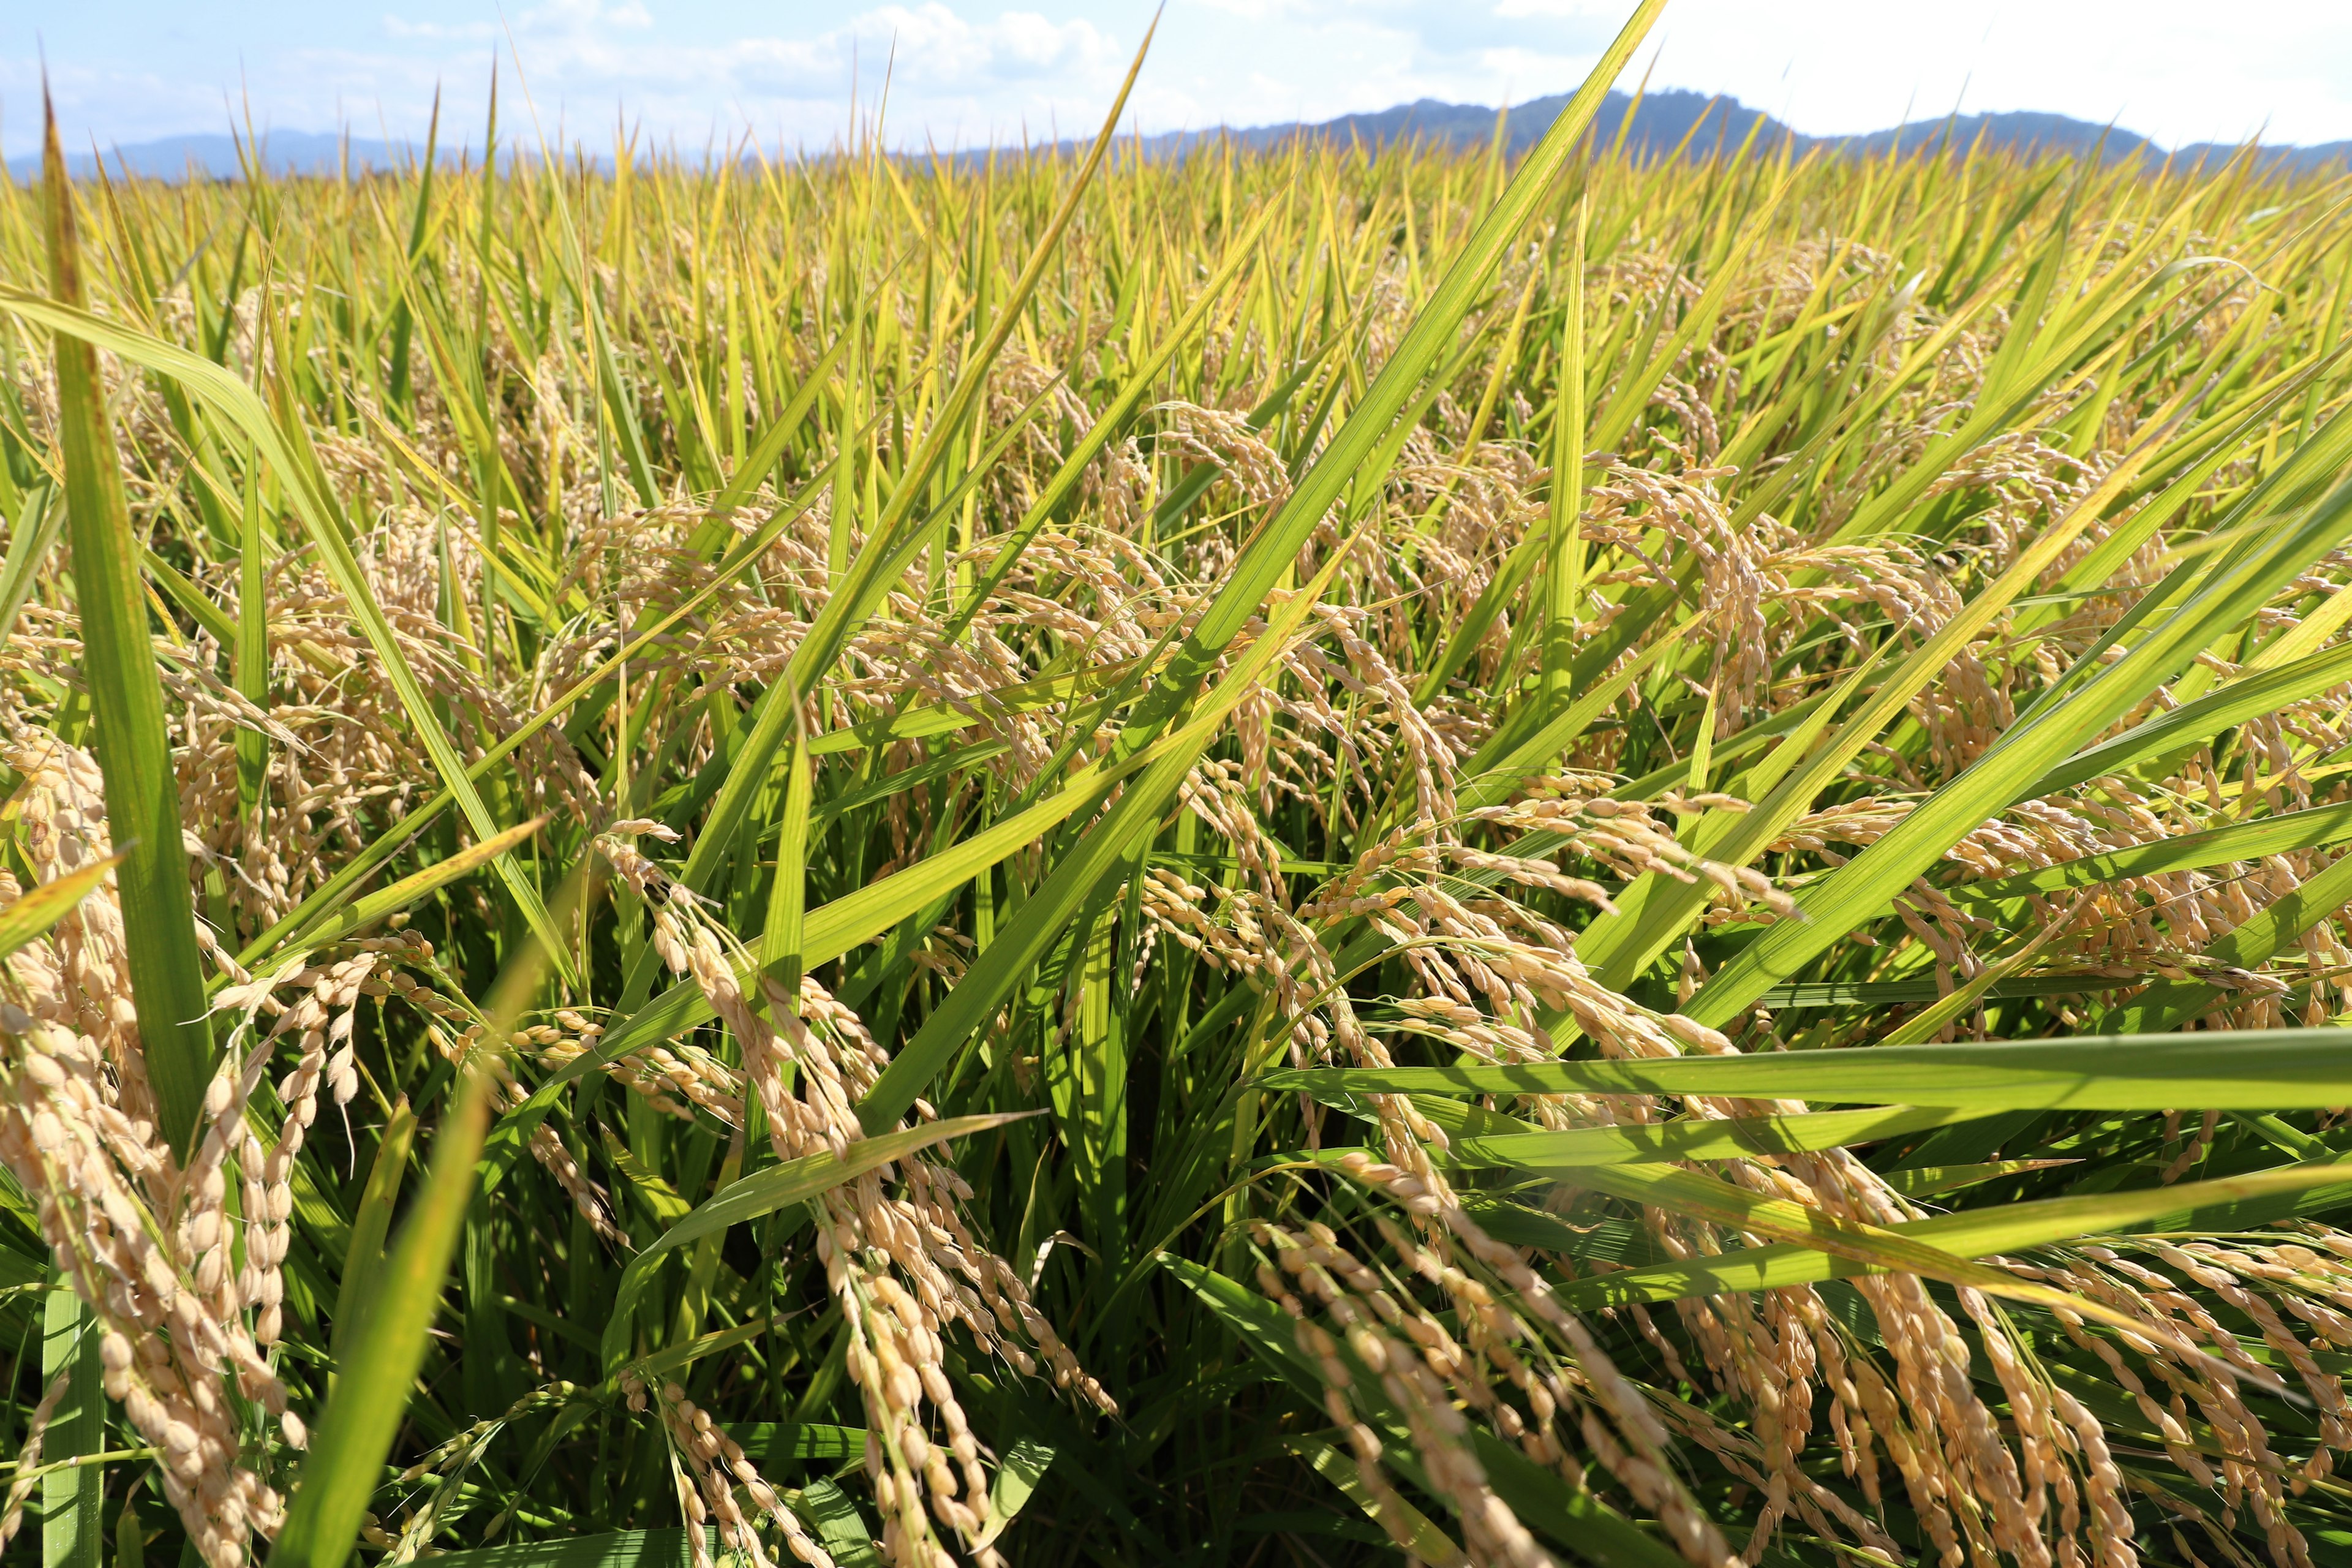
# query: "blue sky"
(969, 71)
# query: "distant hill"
(1662, 122)
(216, 157)
(1699, 124)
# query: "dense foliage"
(1275, 858)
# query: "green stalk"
(72, 1527)
(1564, 569)
(252, 667)
(126, 695)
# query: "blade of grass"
(33, 915)
(73, 1497)
(1709, 1138)
(2249, 697)
(2283, 834)
(252, 643)
(126, 695)
(39, 520)
(2264, 1069)
(363, 1259)
(1980, 1233)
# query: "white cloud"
(2177, 70)
(938, 63)
(400, 27)
(1515, 9)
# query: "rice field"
(1308, 856)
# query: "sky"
(962, 73)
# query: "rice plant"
(1310, 856)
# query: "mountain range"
(1661, 123)
(1697, 123)
(218, 157)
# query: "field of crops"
(1296, 857)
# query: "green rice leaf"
(126, 696)
(31, 916)
(1978, 1233)
(2264, 1069)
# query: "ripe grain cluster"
(1290, 857)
